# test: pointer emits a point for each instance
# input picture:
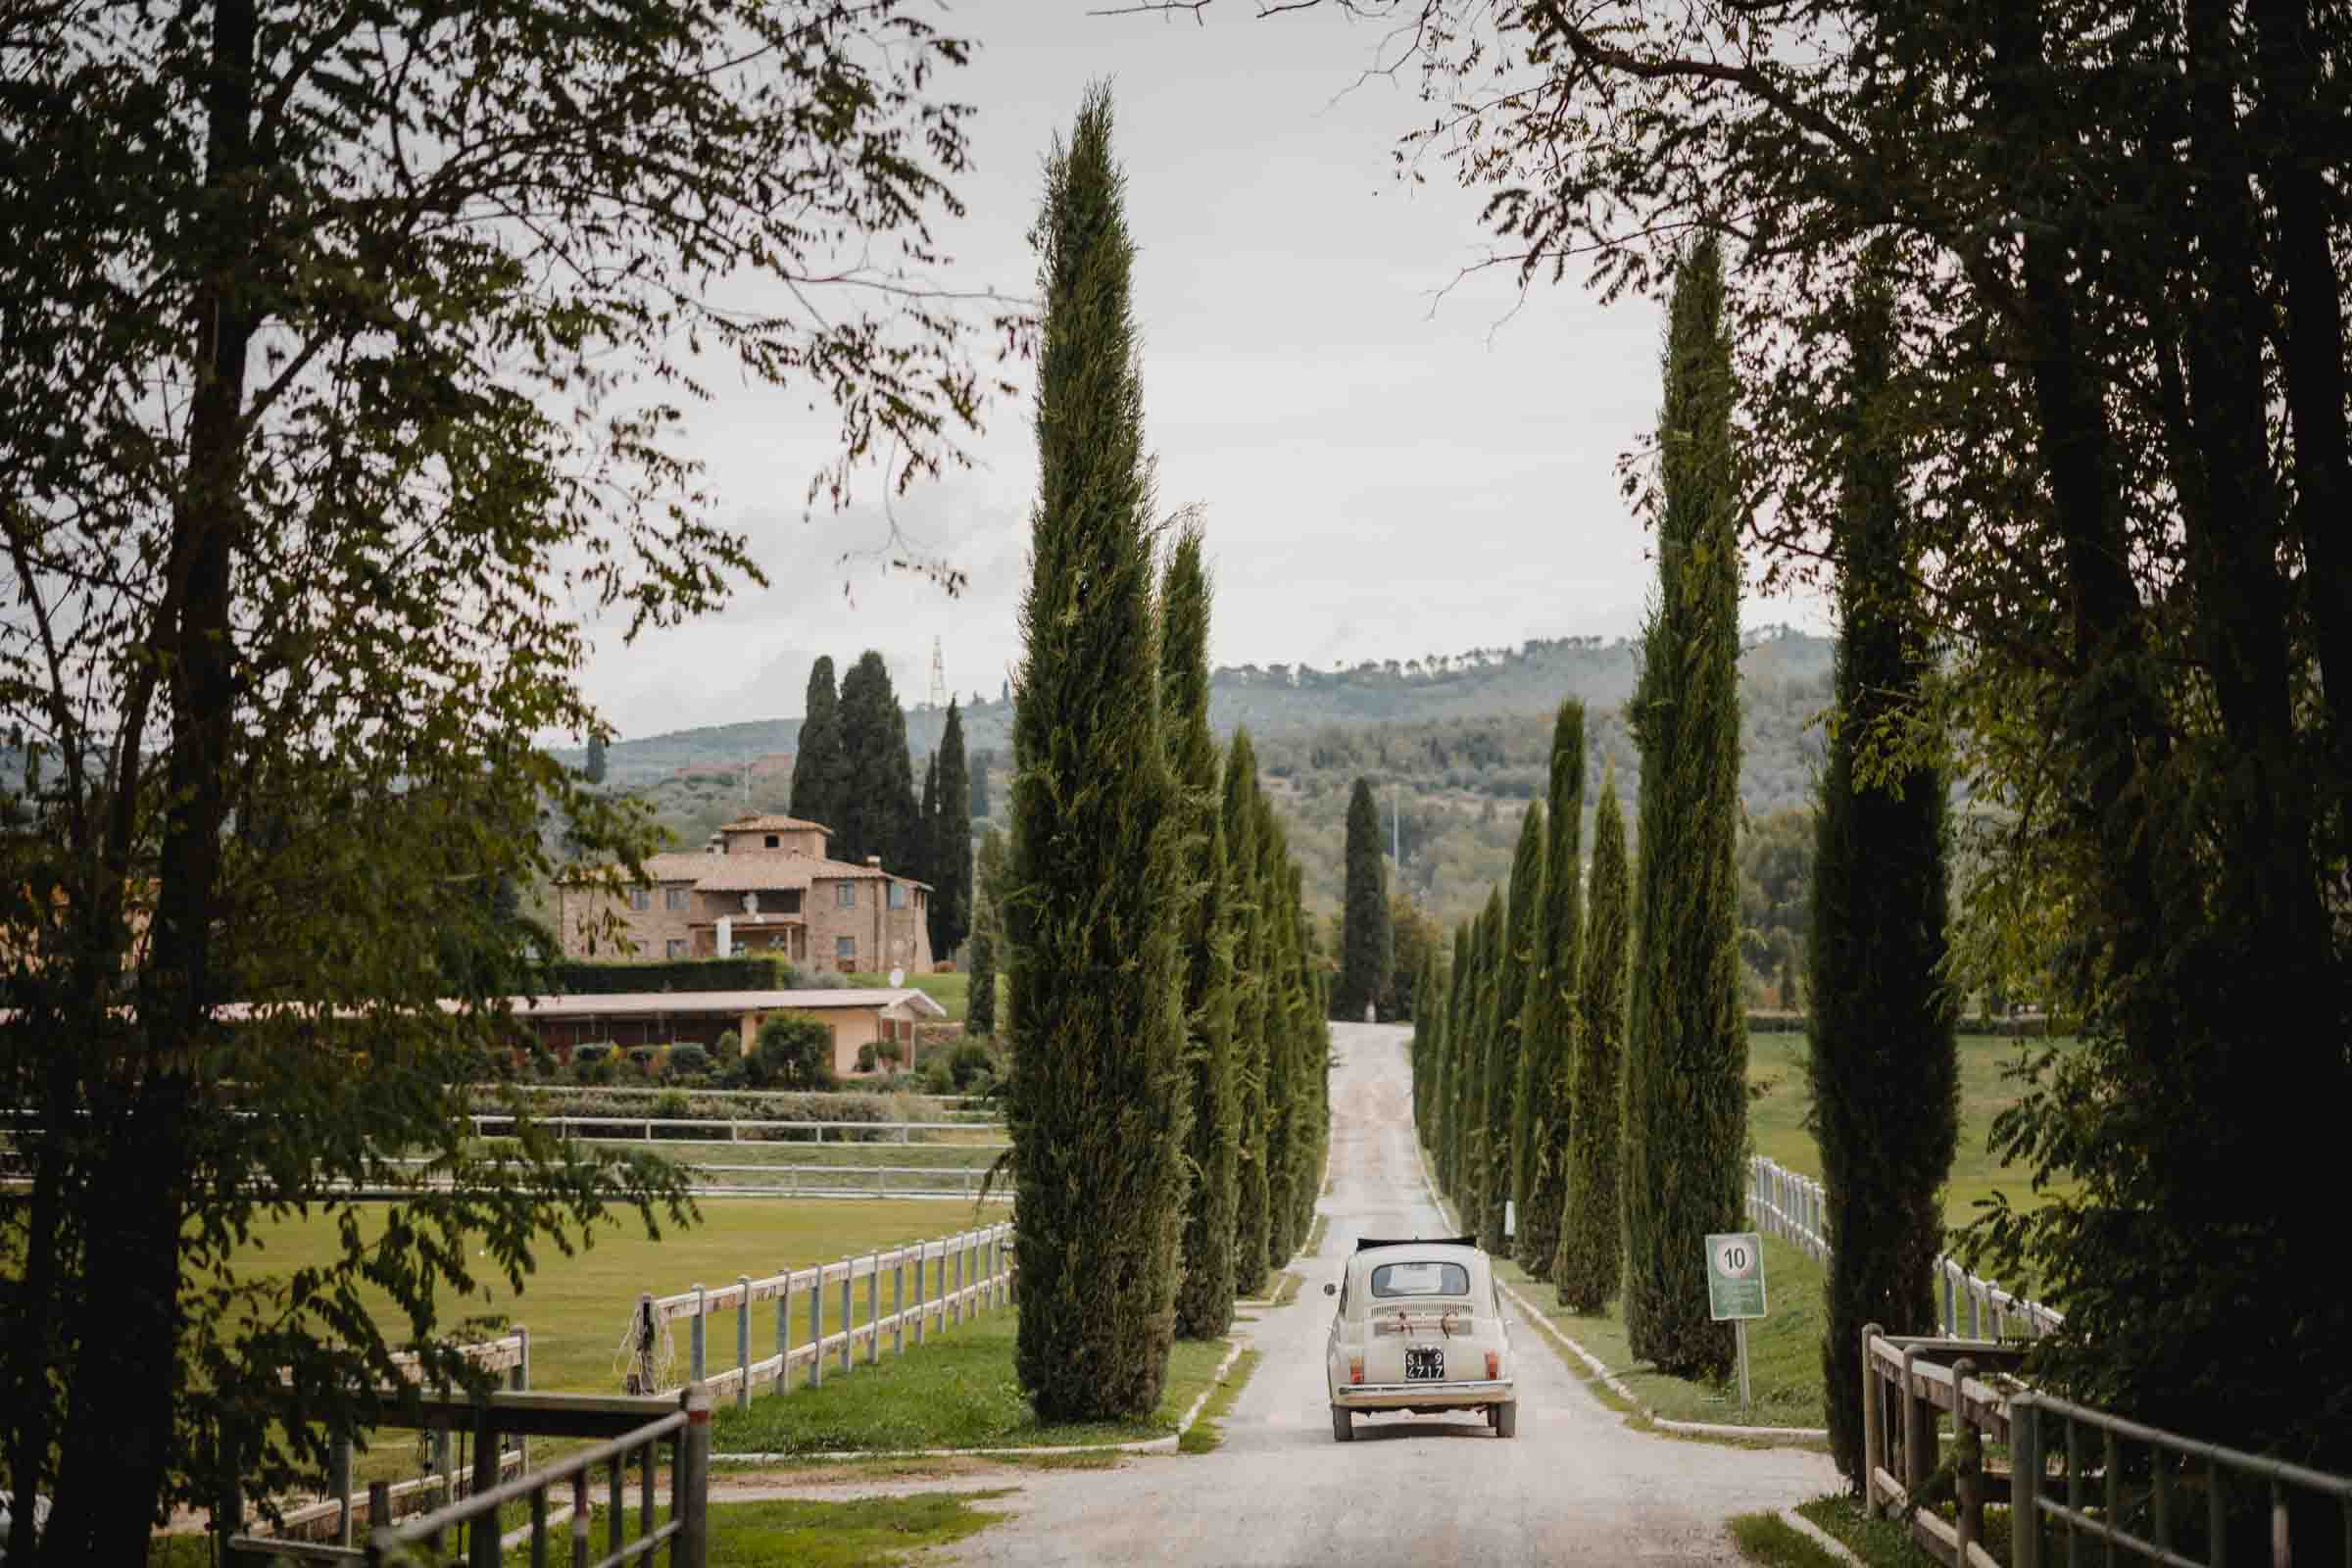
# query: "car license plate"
(1424, 1363)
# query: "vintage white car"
(1419, 1328)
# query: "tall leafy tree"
(926, 815)
(1204, 1295)
(1425, 1040)
(310, 450)
(1685, 1119)
(1097, 1098)
(1441, 1047)
(951, 843)
(1509, 1002)
(877, 813)
(988, 933)
(1284, 1068)
(1547, 1044)
(982, 761)
(594, 772)
(1885, 1062)
(1590, 1266)
(1245, 912)
(1473, 1142)
(1366, 951)
(817, 762)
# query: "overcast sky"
(1382, 473)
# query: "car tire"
(1506, 1419)
(1342, 1424)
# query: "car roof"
(1364, 1242)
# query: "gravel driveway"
(1576, 1486)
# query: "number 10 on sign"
(1735, 1289)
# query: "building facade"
(854, 1019)
(762, 885)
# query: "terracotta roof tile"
(772, 822)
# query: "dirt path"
(1576, 1486)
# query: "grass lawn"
(1887, 1542)
(1204, 1433)
(1768, 1539)
(1781, 1098)
(577, 1306)
(953, 992)
(1784, 1349)
(959, 1392)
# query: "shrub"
(937, 1077)
(795, 1051)
(688, 1061)
(673, 1107)
(968, 1064)
(729, 1048)
(584, 1056)
(825, 980)
(866, 1057)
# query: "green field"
(576, 1307)
(1781, 1098)
(950, 991)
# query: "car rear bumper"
(1421, 1396)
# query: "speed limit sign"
(1736, 1276)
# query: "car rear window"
(1420, 1279)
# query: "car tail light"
(1494, 1365)
(1355, 1369)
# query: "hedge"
(1793, 1023)
(751, 971)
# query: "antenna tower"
(938, 678)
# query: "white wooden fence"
(952, 1278)
(1795, 1207)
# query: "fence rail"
(1795, 1207)
(563, 1126)
(952, 1277)
(2119, 1485)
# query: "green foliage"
(1884, 1067)
(729, 1048)
(949, 864)
(1540, 1130)
(820, 768)
(1523, 905)
(593, 771)
(1205, 1293)
(688, 1060)
(1096, 1101)
(1591, 1255)
(878, 814)
(1686, 1053)
(1283, 1067)
(1367, 954)
(1776, 900)
(795, 1050)
(1251, 1003)
(747, 971)
(1415, 936)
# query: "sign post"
(1736, 1290)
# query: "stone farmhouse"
(762, 885)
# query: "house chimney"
(874, 860)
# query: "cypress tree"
(876, 811)
(1282, 1037)
(1502, 1037)
(1313, 1138)
(1470, 1153)
(1591, 1257)
(1884, 1058)
(1685, 1122)
(1461, 1056)
(982, 761)
(1441, 1045)
(594, 772)
(1246, 912)
(923, 868)
(817, 762)
(1365, 951)
(1204, 1293)
(1548, 1033)
(1425, 1030)
(988, 933)
(1096, 1099)
(951, 844)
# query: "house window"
(845, 949)
(676, 897)
(845, 895)
(898, 895)
(775, 842)
(675, 948)
(640, 899)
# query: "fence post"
(641, 1376)
(520, 1382)
(1873, 1435)
(873, 1311)
(338, 1469)
(897, 1302)
(848, 1337)
(379, 1516)
(1919, 1433)
(1951, 1309)
(482, 1535)
(922, 1258)
(2025, 1482)
(783, 1329)
(1968, 1494)
(743, 1342)
(702, 1305)
(690, 1485)
(817, 1329)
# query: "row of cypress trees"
(1167, 1094)
(1517, 1084)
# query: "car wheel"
(1506, 1419)
(1342, 1424)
